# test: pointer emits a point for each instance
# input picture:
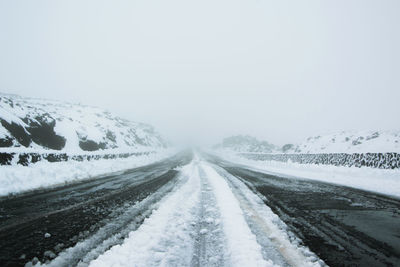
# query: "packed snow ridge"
(34, 125)
(341, 142)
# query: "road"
(74, 212)
(77, 223)
(342, 225)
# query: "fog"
(202, 70)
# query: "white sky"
(202, 70)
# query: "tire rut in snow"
(278, 243)
(242, 247)
(113, 232)
(343, 226)
(70, 226)
(73, 213)
(209, 242)
(166, 237)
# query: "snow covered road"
(80, 221)
(344, 226)
(203, 224)
(198, 210)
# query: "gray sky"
(201, 70)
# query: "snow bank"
(17, 179)
(376, 180)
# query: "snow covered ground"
(203, 222)
(371, 179)
(17, 178)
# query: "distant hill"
(349, 142)
(341, 142)
(38, 124)
(246, 143)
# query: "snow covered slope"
(28, 124)
(246, 143)
(350, 142)
(340, 142)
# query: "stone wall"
(26, 158)
(375, 160)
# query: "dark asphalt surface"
(342, 225)
(74, 212)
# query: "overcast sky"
(201, 70)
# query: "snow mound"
(38, 124)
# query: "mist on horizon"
(202, 71)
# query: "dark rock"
(18, 132)
(89, 145)
(6, 158)
(6, 142)
(42, 133)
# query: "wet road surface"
(42, 223)
(342, 225)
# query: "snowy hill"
(341, 142)
(350, 142)
(28, 124)
(246, 143)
